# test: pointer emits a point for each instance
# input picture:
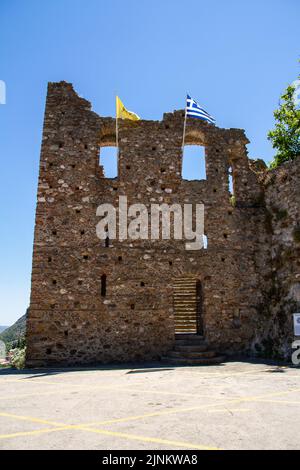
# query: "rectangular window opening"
(193, 164)
(103, 285)
(109, 161)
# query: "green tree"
(285, 136)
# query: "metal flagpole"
(117, 130)
(184, 126)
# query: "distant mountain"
(14, 332)
(2, 328)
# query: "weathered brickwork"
(70, 322)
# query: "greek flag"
(194, 110)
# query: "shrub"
(285, 136)
(18, 358)
(232, 200)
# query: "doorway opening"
(188, 300)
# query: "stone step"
(190, 307)
(191, 280)
(191, 354)
(185, 348)
(191, 362)
(188, 285)
(185, 298)
(184, 284)
(180, 329)
(185, 295)
(185, 302)
(185, 325)
(185, 316)
(184, 288)
(190, 302)
(184, 291)
(186, 311)
(186, 305)
(185, 322)
(189, 337)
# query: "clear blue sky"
(234, 56)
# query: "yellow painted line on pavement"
(191, 408)
(33, 433)
(228, 374)
(30, 418)
(88, 426)
(283, 402)
(82, 388)
(135, 437)
(29, 381)
(67, 388)
(156, 440)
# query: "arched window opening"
(193, 163)
(103, 285)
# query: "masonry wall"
(69, 321)
(282, 280)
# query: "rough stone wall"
(282, 280)
(69, 321)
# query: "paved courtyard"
(237, 405)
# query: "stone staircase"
(185, 305)
(191, 349)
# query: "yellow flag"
(123, 113)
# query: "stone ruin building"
(115, 301)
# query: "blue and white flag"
(194, 110)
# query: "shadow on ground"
(140, 368)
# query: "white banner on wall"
(296, 324)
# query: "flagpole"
(117, 130)
(184, 127)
